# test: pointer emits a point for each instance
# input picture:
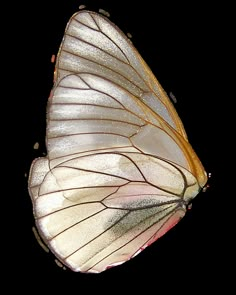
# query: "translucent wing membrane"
(119, 170)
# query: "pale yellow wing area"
(94, 216)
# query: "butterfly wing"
(119, 170)
(92, 44)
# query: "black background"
(181, 46)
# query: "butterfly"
(119, 171)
